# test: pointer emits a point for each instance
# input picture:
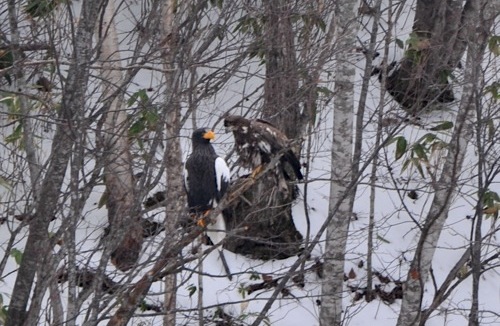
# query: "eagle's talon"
(201, 222)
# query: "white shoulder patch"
(269, 130)
(222, 172)
(185, 174)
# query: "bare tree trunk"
(476, 52)
(20, 84)
(175, 196)
(435, 48)
(56, 304)
(281, 101)
(446, 187)
(341, 162)
(123, 215)
(36, 253)
(272, 233)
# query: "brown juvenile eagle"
(257, 141)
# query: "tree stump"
(260, 223)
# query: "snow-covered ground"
(395, 233)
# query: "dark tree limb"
(38, 245)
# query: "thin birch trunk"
(476, 52)
(341, 173)
(359, 141)
(56, 304)
(446, 187)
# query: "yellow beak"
(209, 135)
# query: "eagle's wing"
(216, 231)
(270, 139)
(222, 177)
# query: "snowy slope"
(395, 230)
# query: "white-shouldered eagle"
(206, 179)
(257, 141)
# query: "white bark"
(115, 124)
(341, 171)
(118, 168)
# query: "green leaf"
(13, 103)
(136, 128)
(490, 198)
(140, 97)
(103, 200)
(143, 306)
(494, 44)
(416, 163)
(400, 43)
(443, 126)
(4, 183)
(192, 290)
(420, 151)
(17, 255)
(427, 138)
(217, 3)
(494, 90)
(3, 314)
(151, 117)
(406, 164)
(16, 135)
(40, 8)
(381, 238)
(242, 290)
(392, 140)
(254, 276)
(401, 146)
(6, 59)
(325, 91)
(148, 119)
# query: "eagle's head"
(203, 135)
(235, 122)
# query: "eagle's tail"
(291, 165)
(217, 231)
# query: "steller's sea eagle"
(206, 179)
(257, 141)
